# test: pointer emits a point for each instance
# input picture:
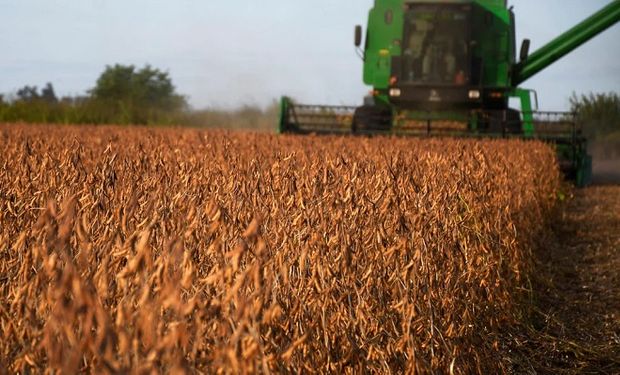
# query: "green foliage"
(146, 87)
(31, 94)
(141, 96)
(126, 95)
(28, 94)
(48, 94)
(599, 113)
(122, 95)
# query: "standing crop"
(168, 250)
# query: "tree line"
(122, 95)
(599, 114)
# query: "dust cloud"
(606, 162)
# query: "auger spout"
(567, 42)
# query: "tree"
(31, 93)
(28, 93)
(599, 113)
(138, 91)
(48, 95)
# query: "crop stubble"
(180, 250)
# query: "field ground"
(577, 314)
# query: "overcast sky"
(226, 53)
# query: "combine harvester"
(449, 68)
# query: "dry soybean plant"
(184, 251)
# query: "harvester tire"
(371, 119)
(514, 124)
(503, 122)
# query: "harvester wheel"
(514, 124)
(506, 122)
(371, 119)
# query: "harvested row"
(181, 250)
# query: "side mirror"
(358, 36)
(525, 50)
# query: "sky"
(234, 52)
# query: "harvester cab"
(450, 68)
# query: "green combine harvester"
(449, 68)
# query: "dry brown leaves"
(133, 250)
